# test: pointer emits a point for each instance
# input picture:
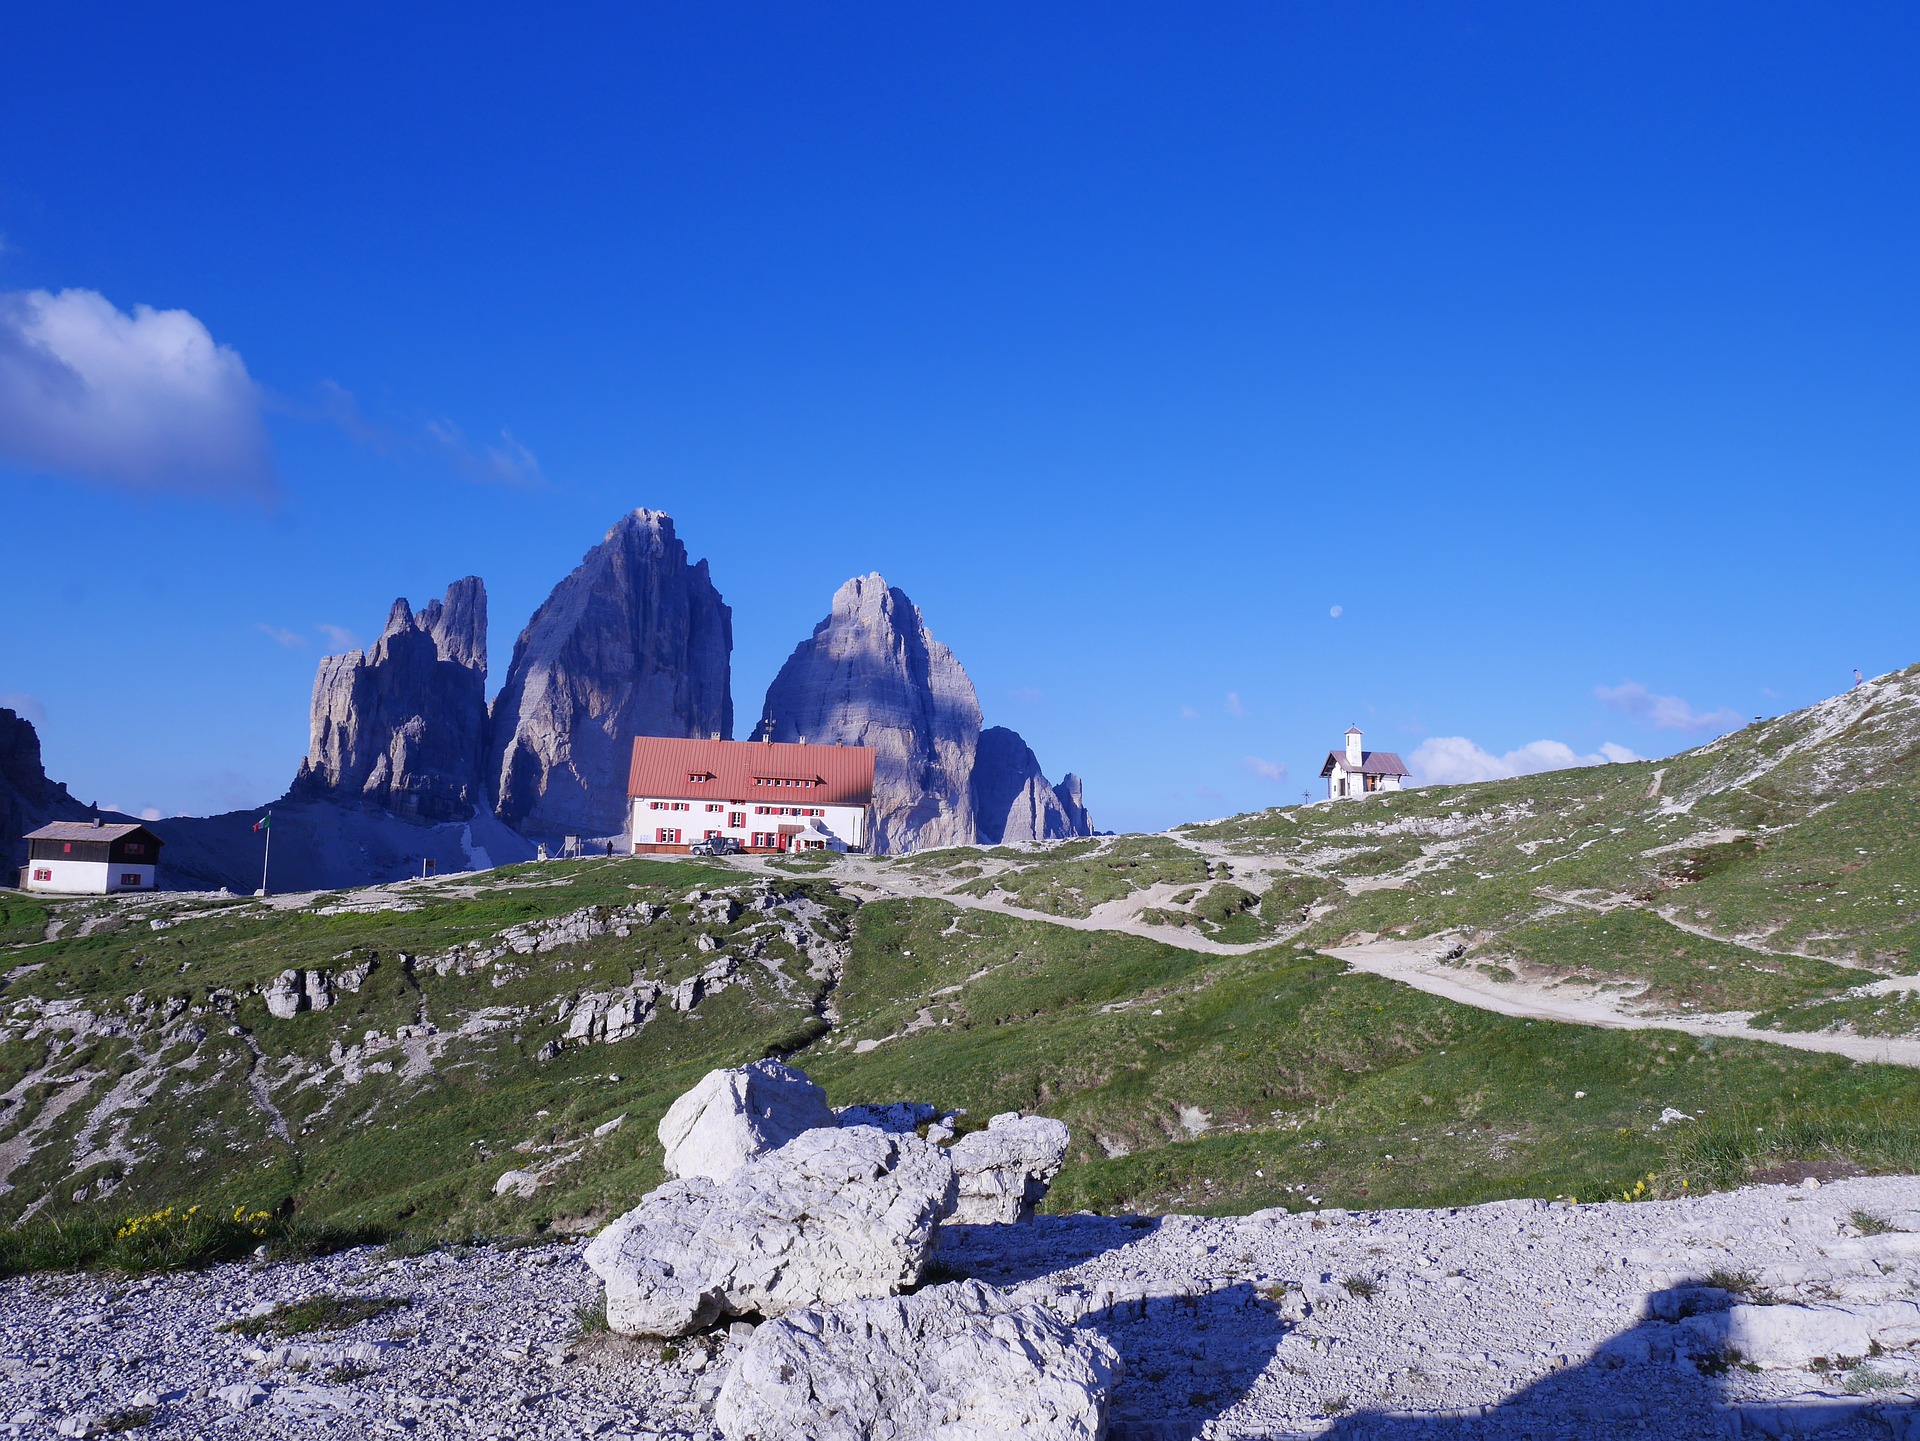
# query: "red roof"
(666, 767)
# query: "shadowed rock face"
(402, 725)
(873, 675)
(28, 800)
(1014, 801)
(635, 642)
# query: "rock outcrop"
(1003, 1172)
(731, 1117)
(833, 1215)
(1014, 801)
(402, 725)
(634, 642)
(872, 674)
(28, 800)
(958, 1361)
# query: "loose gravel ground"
(1516, 1319)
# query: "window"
(67, 848)
(136, 848)
(712, 835)
(43, 875)
(130, 878)
(737, 821)
(666, 836)
(714, 806)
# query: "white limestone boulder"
(834, 1215)
(962, 1362)
(1790, 1337)
(733, 1116)
(1003, 1172)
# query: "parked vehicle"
(714, 846)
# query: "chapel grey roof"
(1372, 763)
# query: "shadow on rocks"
(1008, 1255)
(1651, 1380)
(1189, 1359)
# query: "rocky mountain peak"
(873, 674)
(402, 724)
(636, 641)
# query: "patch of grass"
(1743, 1284)
(1868, 1224)
(317, 1313)
(590, 1317)
(349, 1371)
(1361, 1288)
(170, 1239)
(21, 920)
(1071, 879)
(1862, 1380)
(127, 1418)
(1866, 1129)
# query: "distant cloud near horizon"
(280, 635)
(1267, 770)
(1234, 707)
(1453, 760)
(1662, 712)
(147, 401)
(339, 637)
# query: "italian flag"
(264, 823)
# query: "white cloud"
(1234, 708)
(20, 703)
(339, 637)
(1662, 712)
(505, 462)
(151, 813)
(1335, 611)
(1266, 770)
(1187, 712)
(291, 639)
(146, 401)
(1451, 760)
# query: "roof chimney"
(96, 823)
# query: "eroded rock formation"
(402, 725)
(872, 674)
(1014, 801)
(634, 642)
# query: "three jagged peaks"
(637, 641)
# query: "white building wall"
(695, 819)
(86, 878)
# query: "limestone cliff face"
(28, 800)
(635, 642)
(872, 674)
(1014, 801)
(402, 725)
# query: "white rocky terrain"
(1772, 1311)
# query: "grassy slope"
(1335, 1085)
(1264, 1078)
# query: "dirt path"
(1418, 964)
(1628, 903)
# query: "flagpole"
(267, 853)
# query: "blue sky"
(1570, 352)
